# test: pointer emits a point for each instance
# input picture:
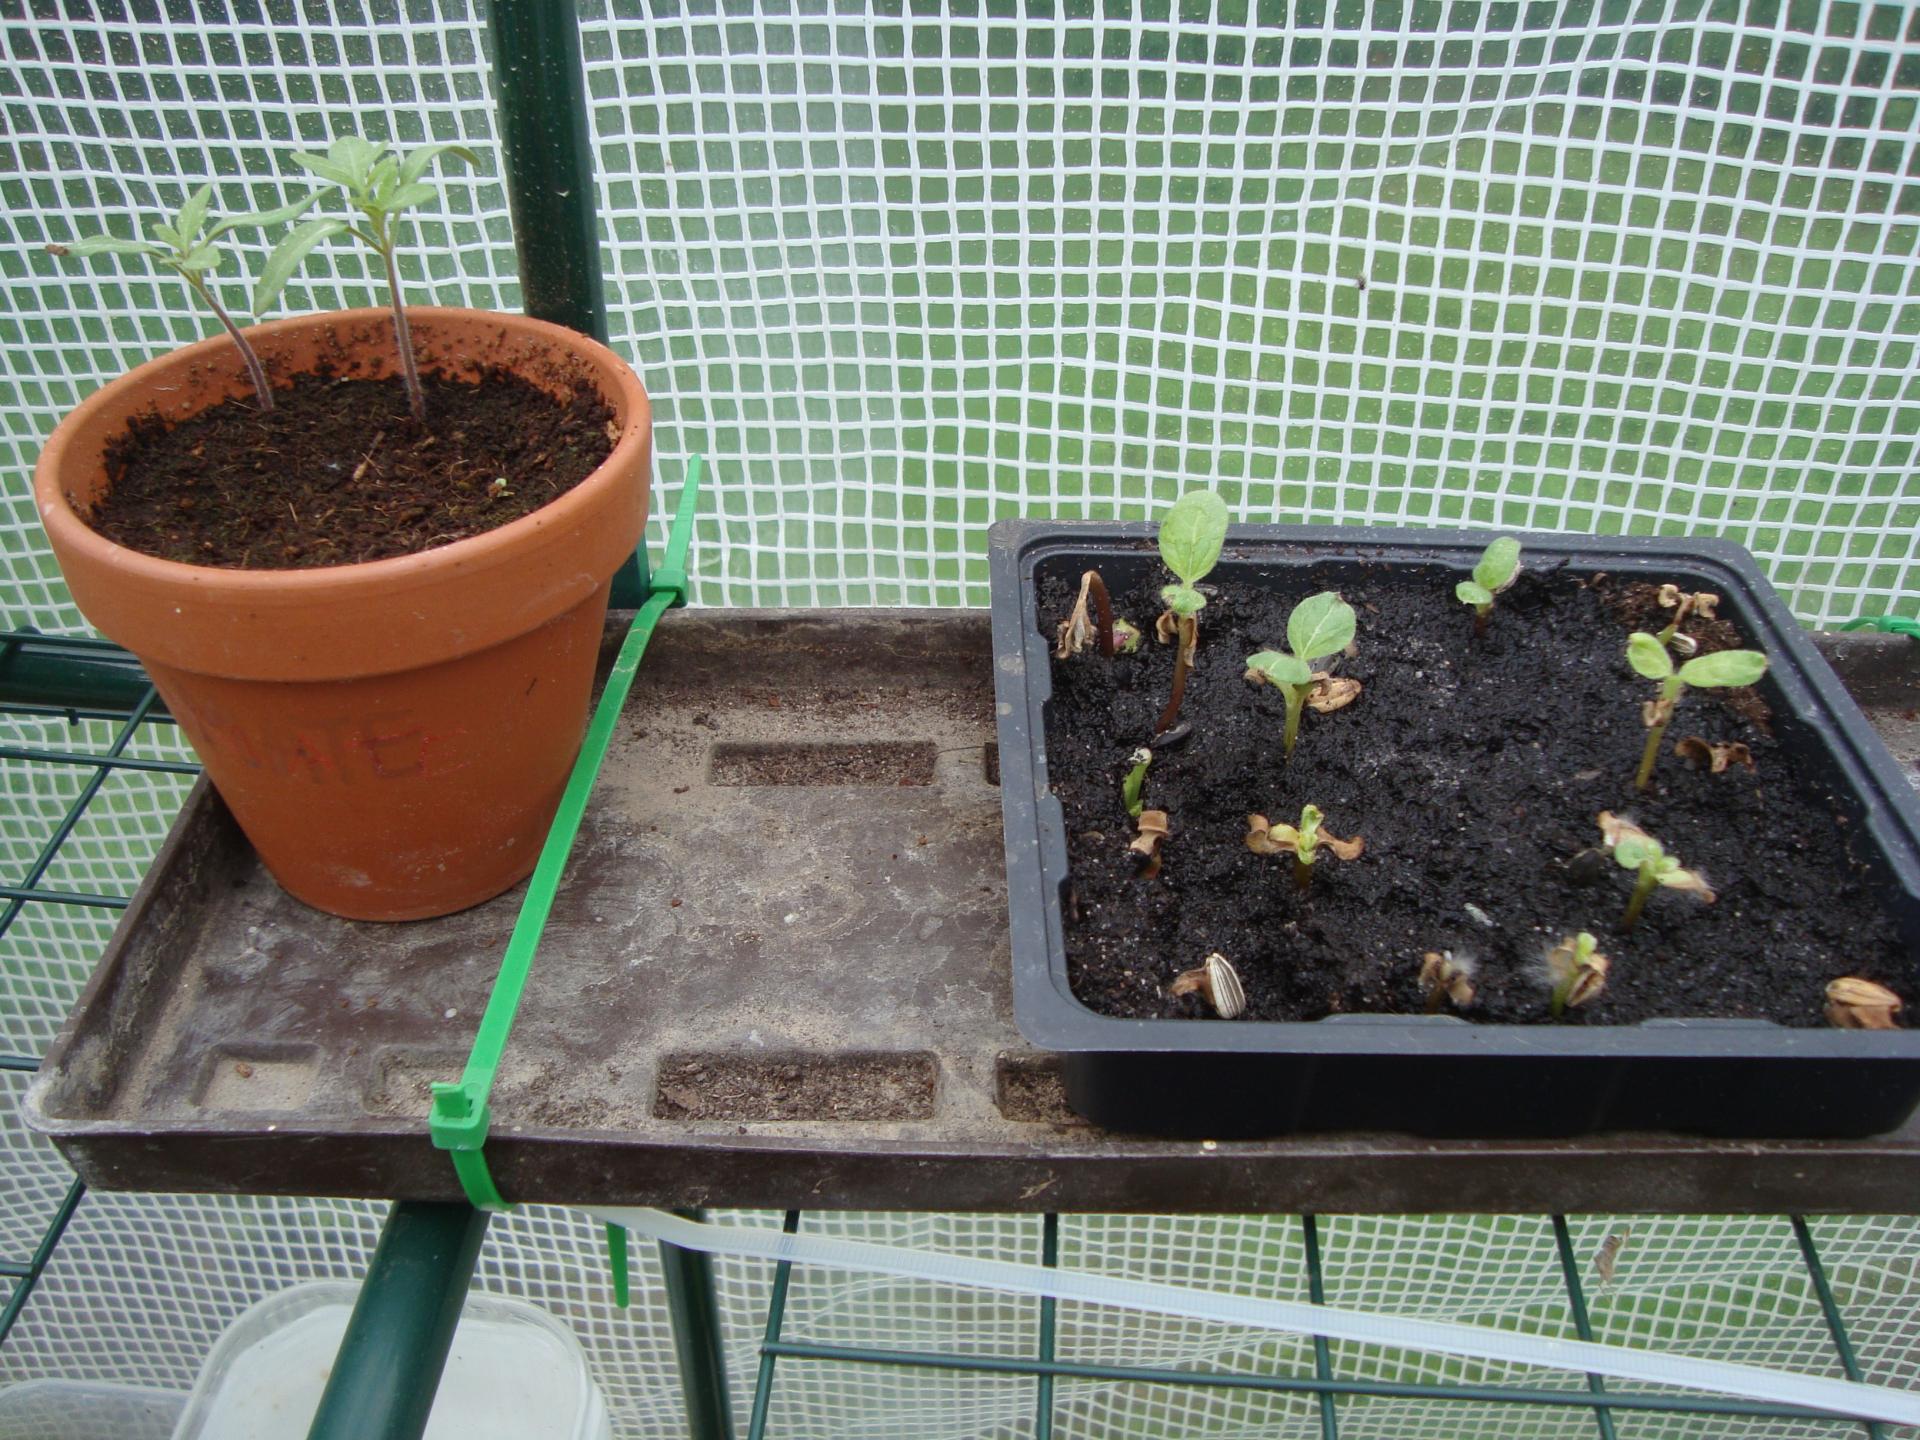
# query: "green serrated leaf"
(280, 215)
(416, 162)
(383, 179)
(286, 258)
(325, 167)
(105, 245)
(201, 257)
(1725, 667)
(1320, 625)
(165, 234)
(357, 156)
(1498, 565)
(1280, 668)
(1192, 533)
(193, 215)
(1648, 656)
(408, 196)
(1470, 593)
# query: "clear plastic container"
(514, 1373)
(85, 1410)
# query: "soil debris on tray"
(1475, 767)
(795, 1087)
(338, 472)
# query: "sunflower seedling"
(1096, 626)
(180, 246)
(1302, 841)
(1191, 537)
(1447, 977)
(1633, 849)
(1497, 568)
(1576, 971)
(380, 185)
(1724, 669)
(1320, 625)
(1133, 788)
(1856, 1004)
(1217, 980)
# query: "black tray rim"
(1045, 1009)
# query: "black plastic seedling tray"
(1442, 1075)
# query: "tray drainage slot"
(260, 1078)
(795, 1087)
(824, 762)
(401, 1083)
(1030, 1089)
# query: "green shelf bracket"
(459, 1117)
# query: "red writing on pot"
(344, 752)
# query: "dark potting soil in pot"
(1473, 770)
(339, 472)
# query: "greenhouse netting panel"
(1598, 266)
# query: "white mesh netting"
(1628, 267)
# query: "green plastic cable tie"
(617, 1263)
(1890, 624)
(459, 1117)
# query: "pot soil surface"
(1474, 770)
(338, 472)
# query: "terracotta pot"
(393, 737)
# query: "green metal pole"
(1322, 1352)
(388, 1367)
(1043, 1385)
(691, 1307)
(549, 160)
(1583, 1327)
(547, 145)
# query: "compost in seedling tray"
(1458, 826)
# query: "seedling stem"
(1187, 633)
(1191, 537)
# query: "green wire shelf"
(81, 679)
(1326, 1386)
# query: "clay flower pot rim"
(57, 510)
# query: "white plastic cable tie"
(1847, 1398)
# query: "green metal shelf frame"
(1047, 1371)
(76, 678)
